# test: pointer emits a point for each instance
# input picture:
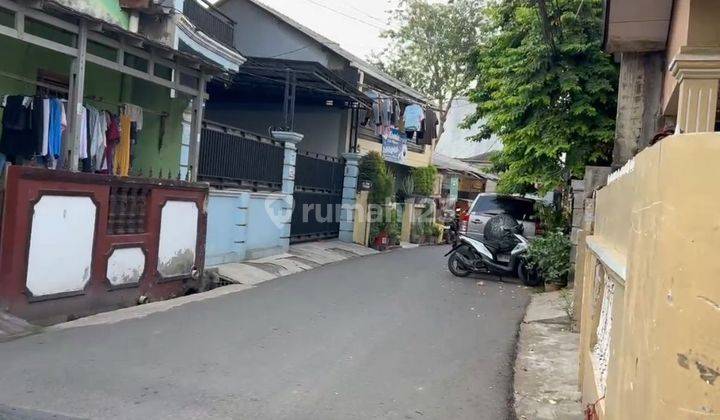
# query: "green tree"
(431, 46)
(547, 89)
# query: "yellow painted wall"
(664, 217)
(414, 159)
(694, 24)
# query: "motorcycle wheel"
(456, 267)
(530, 278)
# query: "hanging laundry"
(96, 137)
(38, 122)
(122, 151)
(396, 113)
(413, 118)
(112, 138)
(57, 123)
(431, 125)
(375, 118)
(387, 111)
(81, 147)
(17, 139)
(135, 113)
(46, 127)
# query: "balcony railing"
(369, 133)
(211, 21)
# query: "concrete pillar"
(347, 211)
(407, 220)
(198, 110)
(698, 78)
(697, 105)
(76, 96)
(639, 104)
(362, 230)
(290, 139)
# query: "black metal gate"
(318, 196)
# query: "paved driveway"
(390, 336)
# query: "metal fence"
(233, 157)
(210, 21)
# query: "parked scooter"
(456, 221)
(500, 254)
(452, 227)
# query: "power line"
(339, 12)
(290, 52)
(357, 9)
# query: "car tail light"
(464, 222)
(539, 228)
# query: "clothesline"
(397, 96)
(105, 102)
(65, 90)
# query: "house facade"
(295, 81)
(100, 132)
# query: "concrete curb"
(301, 257)
(546, 366)
(245, 275)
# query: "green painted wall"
(148, 153)
(107, 10)
(108, 85)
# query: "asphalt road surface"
(390, 336)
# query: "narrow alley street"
(390, 336)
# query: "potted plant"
(550, 255)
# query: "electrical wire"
(290, 52)
(341, 13)
(357, 9)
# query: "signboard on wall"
(454, 188)
(394, 147)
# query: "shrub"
(407, 188)
(550, 254)
(552, 219)
(424, 180)
(373, 168)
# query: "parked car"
(488, 205)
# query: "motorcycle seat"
(496, 247)
(493, 248)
